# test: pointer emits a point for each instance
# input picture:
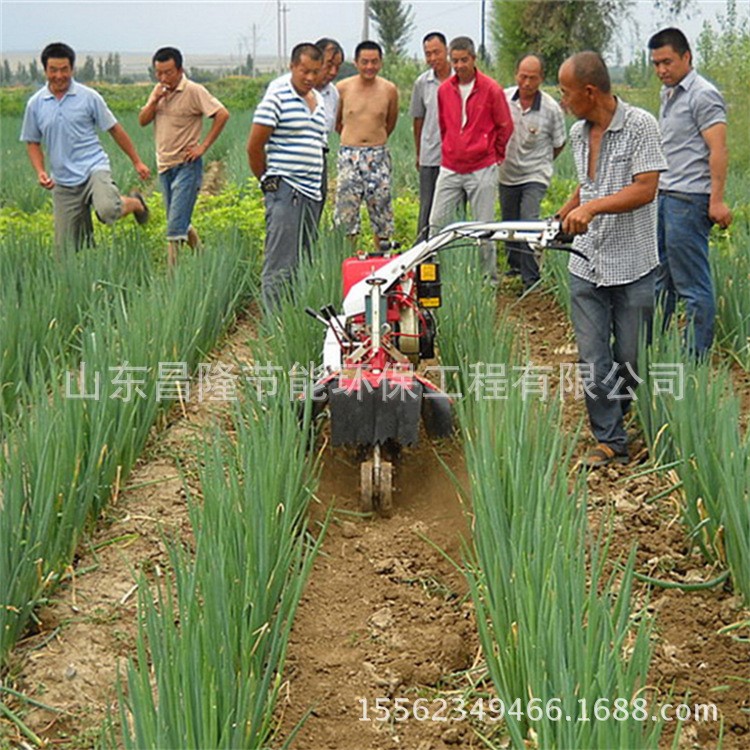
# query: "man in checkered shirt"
(618, 158)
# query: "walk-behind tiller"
(371, 350)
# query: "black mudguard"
(370, 416)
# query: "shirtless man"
(368, 108)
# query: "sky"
(233, 27)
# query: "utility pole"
(366, 21)
(284, 11)
(482, 48)
(279, 58)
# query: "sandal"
(140, 216)
(603, 455)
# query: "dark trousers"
(522, 202)
(427, 179)
(291, 227)
(608, 322)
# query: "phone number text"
(455, 709)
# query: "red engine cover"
(356, 269)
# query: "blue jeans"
(684, 269)
(180, 186)
(291, 227)
(522, 202)
(608, 322)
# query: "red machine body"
(359, 267)
(375, 395)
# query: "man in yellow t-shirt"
(177, 107)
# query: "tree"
(22, 75)
(88, 72)
(725, 52)
(109, 67)
(558, 28)
(34, 72)
(553, 28)
(6, 74)
(639, 71)
(395, 22)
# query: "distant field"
(138, 63)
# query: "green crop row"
(212, 644)
(714, 475)
(60, 461)
(553, 623)
(46, 302)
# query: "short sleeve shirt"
(68, 130)
(620, 248)
(537, 132)
(687, 109)
(330, 96)
(329, 93)
(179, 121)
(424, 106)
(295, 149)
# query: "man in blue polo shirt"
(285, 151)
(693, 121)
(64, 117)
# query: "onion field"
(182, 567)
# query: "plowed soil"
(385, 613)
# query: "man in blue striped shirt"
(285, 150)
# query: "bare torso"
(367, 111)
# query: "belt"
(678, 194)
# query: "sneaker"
(604, 455)
(140, 216)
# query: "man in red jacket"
(475, 124)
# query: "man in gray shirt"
(424, 112)
(537, 140)
(693, 121)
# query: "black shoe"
(140, 216)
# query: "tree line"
(106, 70)
(109, 70)
(552, 28)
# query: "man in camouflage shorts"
(364, 173)
(368, 109)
